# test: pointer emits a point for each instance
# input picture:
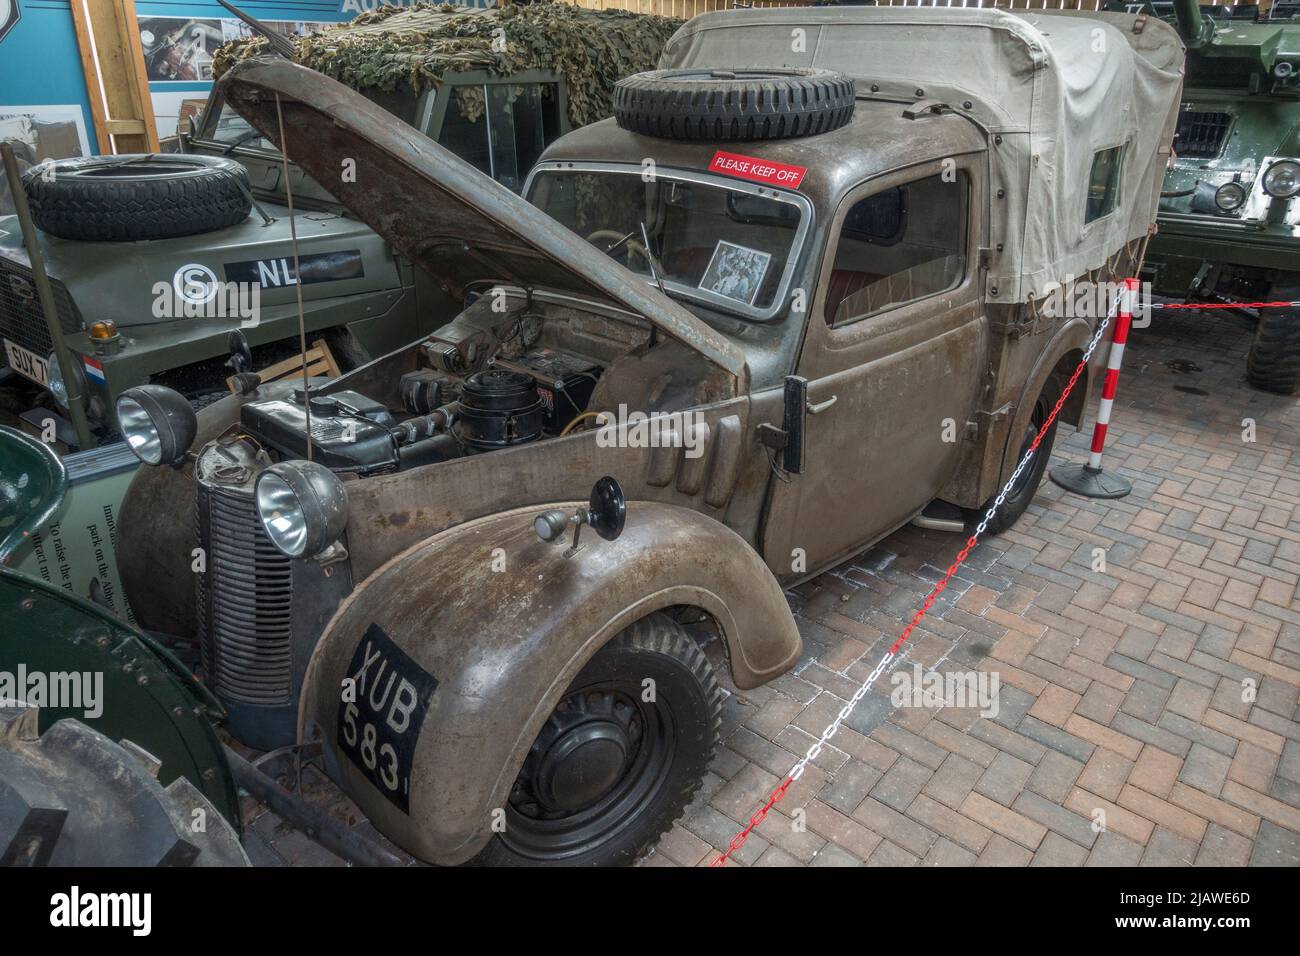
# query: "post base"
(1090, 482)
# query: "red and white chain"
(1206, 306)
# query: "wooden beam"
(108, 38)
(126, 127)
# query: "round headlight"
(1282, 179)
(303, 507)
(58, 388)
(1230, 196)
(157, 422)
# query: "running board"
(940, 524)
(941, 516)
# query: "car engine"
(485, 381)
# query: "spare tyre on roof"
(742, 104)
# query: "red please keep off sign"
(757, 170)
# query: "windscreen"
(729, 246)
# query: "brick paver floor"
(1124, 693)
(1121, 691)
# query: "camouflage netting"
(416, 46)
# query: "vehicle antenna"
(297, 276)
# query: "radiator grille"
(244, 603)
(21, 318)
(1200, 133)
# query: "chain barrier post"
(1089, 479)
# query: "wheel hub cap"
(582, 765)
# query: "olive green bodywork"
(431, 67)
(385, 305)
(147, 696)
(719, 534)
(1244, 75)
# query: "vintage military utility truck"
(1229, 220)
(780, 305)
(155, 259)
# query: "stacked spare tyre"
(733, 105)
(136, 197)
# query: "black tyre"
(72, 797)
(1026, 486)
(1273, 364)
(127, 198)
(737, 105)
(610, 771)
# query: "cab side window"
(897, 246)
(501, 128)
(1103, 183)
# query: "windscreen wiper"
(656, 268)
(242, 140)
(609, 250)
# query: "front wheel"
(619, 758)
(1024, 488)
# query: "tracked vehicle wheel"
(610, 771)
(1273, 364)
(733, 105)
(72, 797)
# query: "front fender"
(502, 622)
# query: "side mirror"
(241, 355)
(606, 513)
(607, 508)
(240, 363)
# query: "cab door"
(893, 355)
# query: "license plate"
(384, 704)
(28, 364)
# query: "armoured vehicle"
(107, 754)
(210, 229)
(760, 319)
(1229, 220)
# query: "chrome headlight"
(58, 387)
(157, 422)
(303, 507)
(1282, 179)
(1230, 196)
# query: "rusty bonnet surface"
(449, 218)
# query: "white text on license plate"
(28, 364)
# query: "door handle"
(820, 407)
